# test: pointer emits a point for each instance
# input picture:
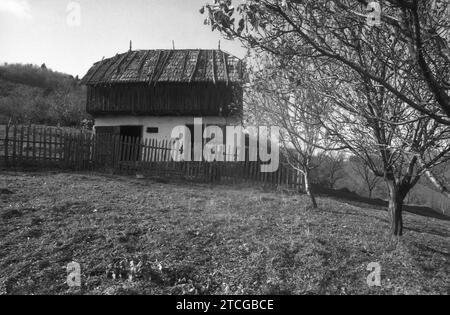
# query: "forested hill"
(38, 95)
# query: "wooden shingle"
(153, 66)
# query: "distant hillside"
(33, 94)
(423, 194)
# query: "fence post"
(55, 146)
(45, 145)
(94, 151)
(34, 143)
(117, 152)
(6, 144)
(14, 153)
(21, 137)
(28, 142)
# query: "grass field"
(185, 238)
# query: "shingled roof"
(151, 66)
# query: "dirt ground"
(135, 236)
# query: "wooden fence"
(50, 147)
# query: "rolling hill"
(38, 95)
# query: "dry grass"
(199, 239)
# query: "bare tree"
(365, 173)
(330, 170)
(274, 96)
(331, 29)
(390, 92)
(394, 140)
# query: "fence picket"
(14, 144)
(27, 153)
(6, 142)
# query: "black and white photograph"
(224, 155)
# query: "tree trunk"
(396, 199)
(309, 190)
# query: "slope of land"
(37, 95)
(185, 238)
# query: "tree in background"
(32, 94)
(365, 173)
(330, 170)
(276, 96)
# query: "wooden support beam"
(94, 71)
(119, 64)
(142, 64)
(186, 57)
(112, 61)
(134, 54)
(150, 75)
(225, 65)
(195, 67)
(163, 65)
(214, 67)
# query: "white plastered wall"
(165, 124)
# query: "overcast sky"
(51, 32)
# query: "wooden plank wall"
(165, 99)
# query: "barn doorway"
(131, 131)
(132, 135)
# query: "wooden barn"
(147, 93)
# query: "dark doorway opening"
(191, 130)
(131, 131)
(131, 137)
